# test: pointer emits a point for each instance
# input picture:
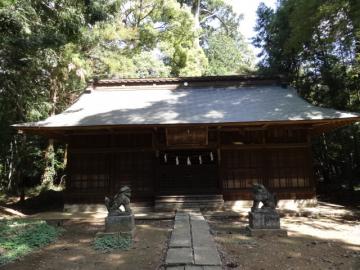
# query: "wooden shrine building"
(196, 135)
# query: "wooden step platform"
(173, 202)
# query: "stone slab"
(179, 256)
(182, 225)
(212, 267)
(197, 216)
(201, 236)
(180, 239)
(202, 239)
(119, 223)
(192, 246)
(200, 224)
(193, 267)
(181, 217)
(205, 267)
(266, 232)
(180, 236)
(206, 256)
(175, 268)
(264, 220)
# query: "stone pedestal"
(264, 219)
(120, 224)
(265, 222)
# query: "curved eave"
(318, 126)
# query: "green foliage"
(49, 50)
(107, 243)
(37, 47)
(316, 44)
(236, 59)
(19, 237)
(157, 31)
(219, 29)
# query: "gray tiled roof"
(118, 105)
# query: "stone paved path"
(191, 245)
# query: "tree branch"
(217, 17)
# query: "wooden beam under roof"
(318, 126)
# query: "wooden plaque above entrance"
(182, 136)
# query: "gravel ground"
(319, 240)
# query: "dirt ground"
(325, 237)
(74, 250)
(313, 242)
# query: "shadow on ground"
(74, 249)
(340, 196)
(49, 200)
(316, 242)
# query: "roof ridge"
(252, 79)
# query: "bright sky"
(248, 9)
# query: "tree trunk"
(49, 171)
(11, 167)
(140, 13)
(62, 182)
(15, 175)
(326, 163)
(196, 12)
(65, 155)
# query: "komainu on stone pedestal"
(120, 224)
(264, 220)
(261, 194)
(265, 217)
(122, 198)
(118, 220)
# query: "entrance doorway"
(187, 172)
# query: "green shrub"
(19, 237)
(107, 243)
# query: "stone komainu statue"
(122, 198)
(261, 194)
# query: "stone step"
(189, 198)
(190, 205)
(170, 203)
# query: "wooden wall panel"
(129, 140)
(288, 168)
(134, 169)
(90, 141)
(241, 168)
(89, 171)
(286, 135)
(180, 136)
(278, 169)
(88, 177)
(99, 165)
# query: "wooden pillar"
(310, 162)
(218, 149)
(265, 160)
(155, 145)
